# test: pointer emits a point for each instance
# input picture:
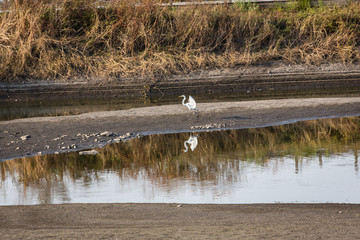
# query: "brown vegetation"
(78, 39)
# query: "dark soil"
(171, 221)
(272, 76)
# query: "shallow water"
(57, 107)
(306, 162)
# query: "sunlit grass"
(68, 39)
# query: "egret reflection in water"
(304, 162)
(193, 141)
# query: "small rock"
(17, 148)
(39, 153)
(209, 126)
(56, 152)
(180, 205)
(123, 137)
(107, 134)
(25, 137)
(90, 152)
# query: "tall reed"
(75, 38)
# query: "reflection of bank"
(193, 141)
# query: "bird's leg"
(197, 116)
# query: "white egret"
(193, 141)
(191, 104)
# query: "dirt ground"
(171, 221)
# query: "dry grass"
(68, 39)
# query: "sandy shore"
(171, 221)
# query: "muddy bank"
(273, 76)
(171, 221)
(45, 135)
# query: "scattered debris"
(107, 134)
(25, 137)
(209, 126)
(125, 137)
(59, 138)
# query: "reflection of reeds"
(162, 156)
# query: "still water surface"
(57, 107)
(305, 162)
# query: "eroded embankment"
(271, 78)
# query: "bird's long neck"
(186, 147)
(183, 102)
